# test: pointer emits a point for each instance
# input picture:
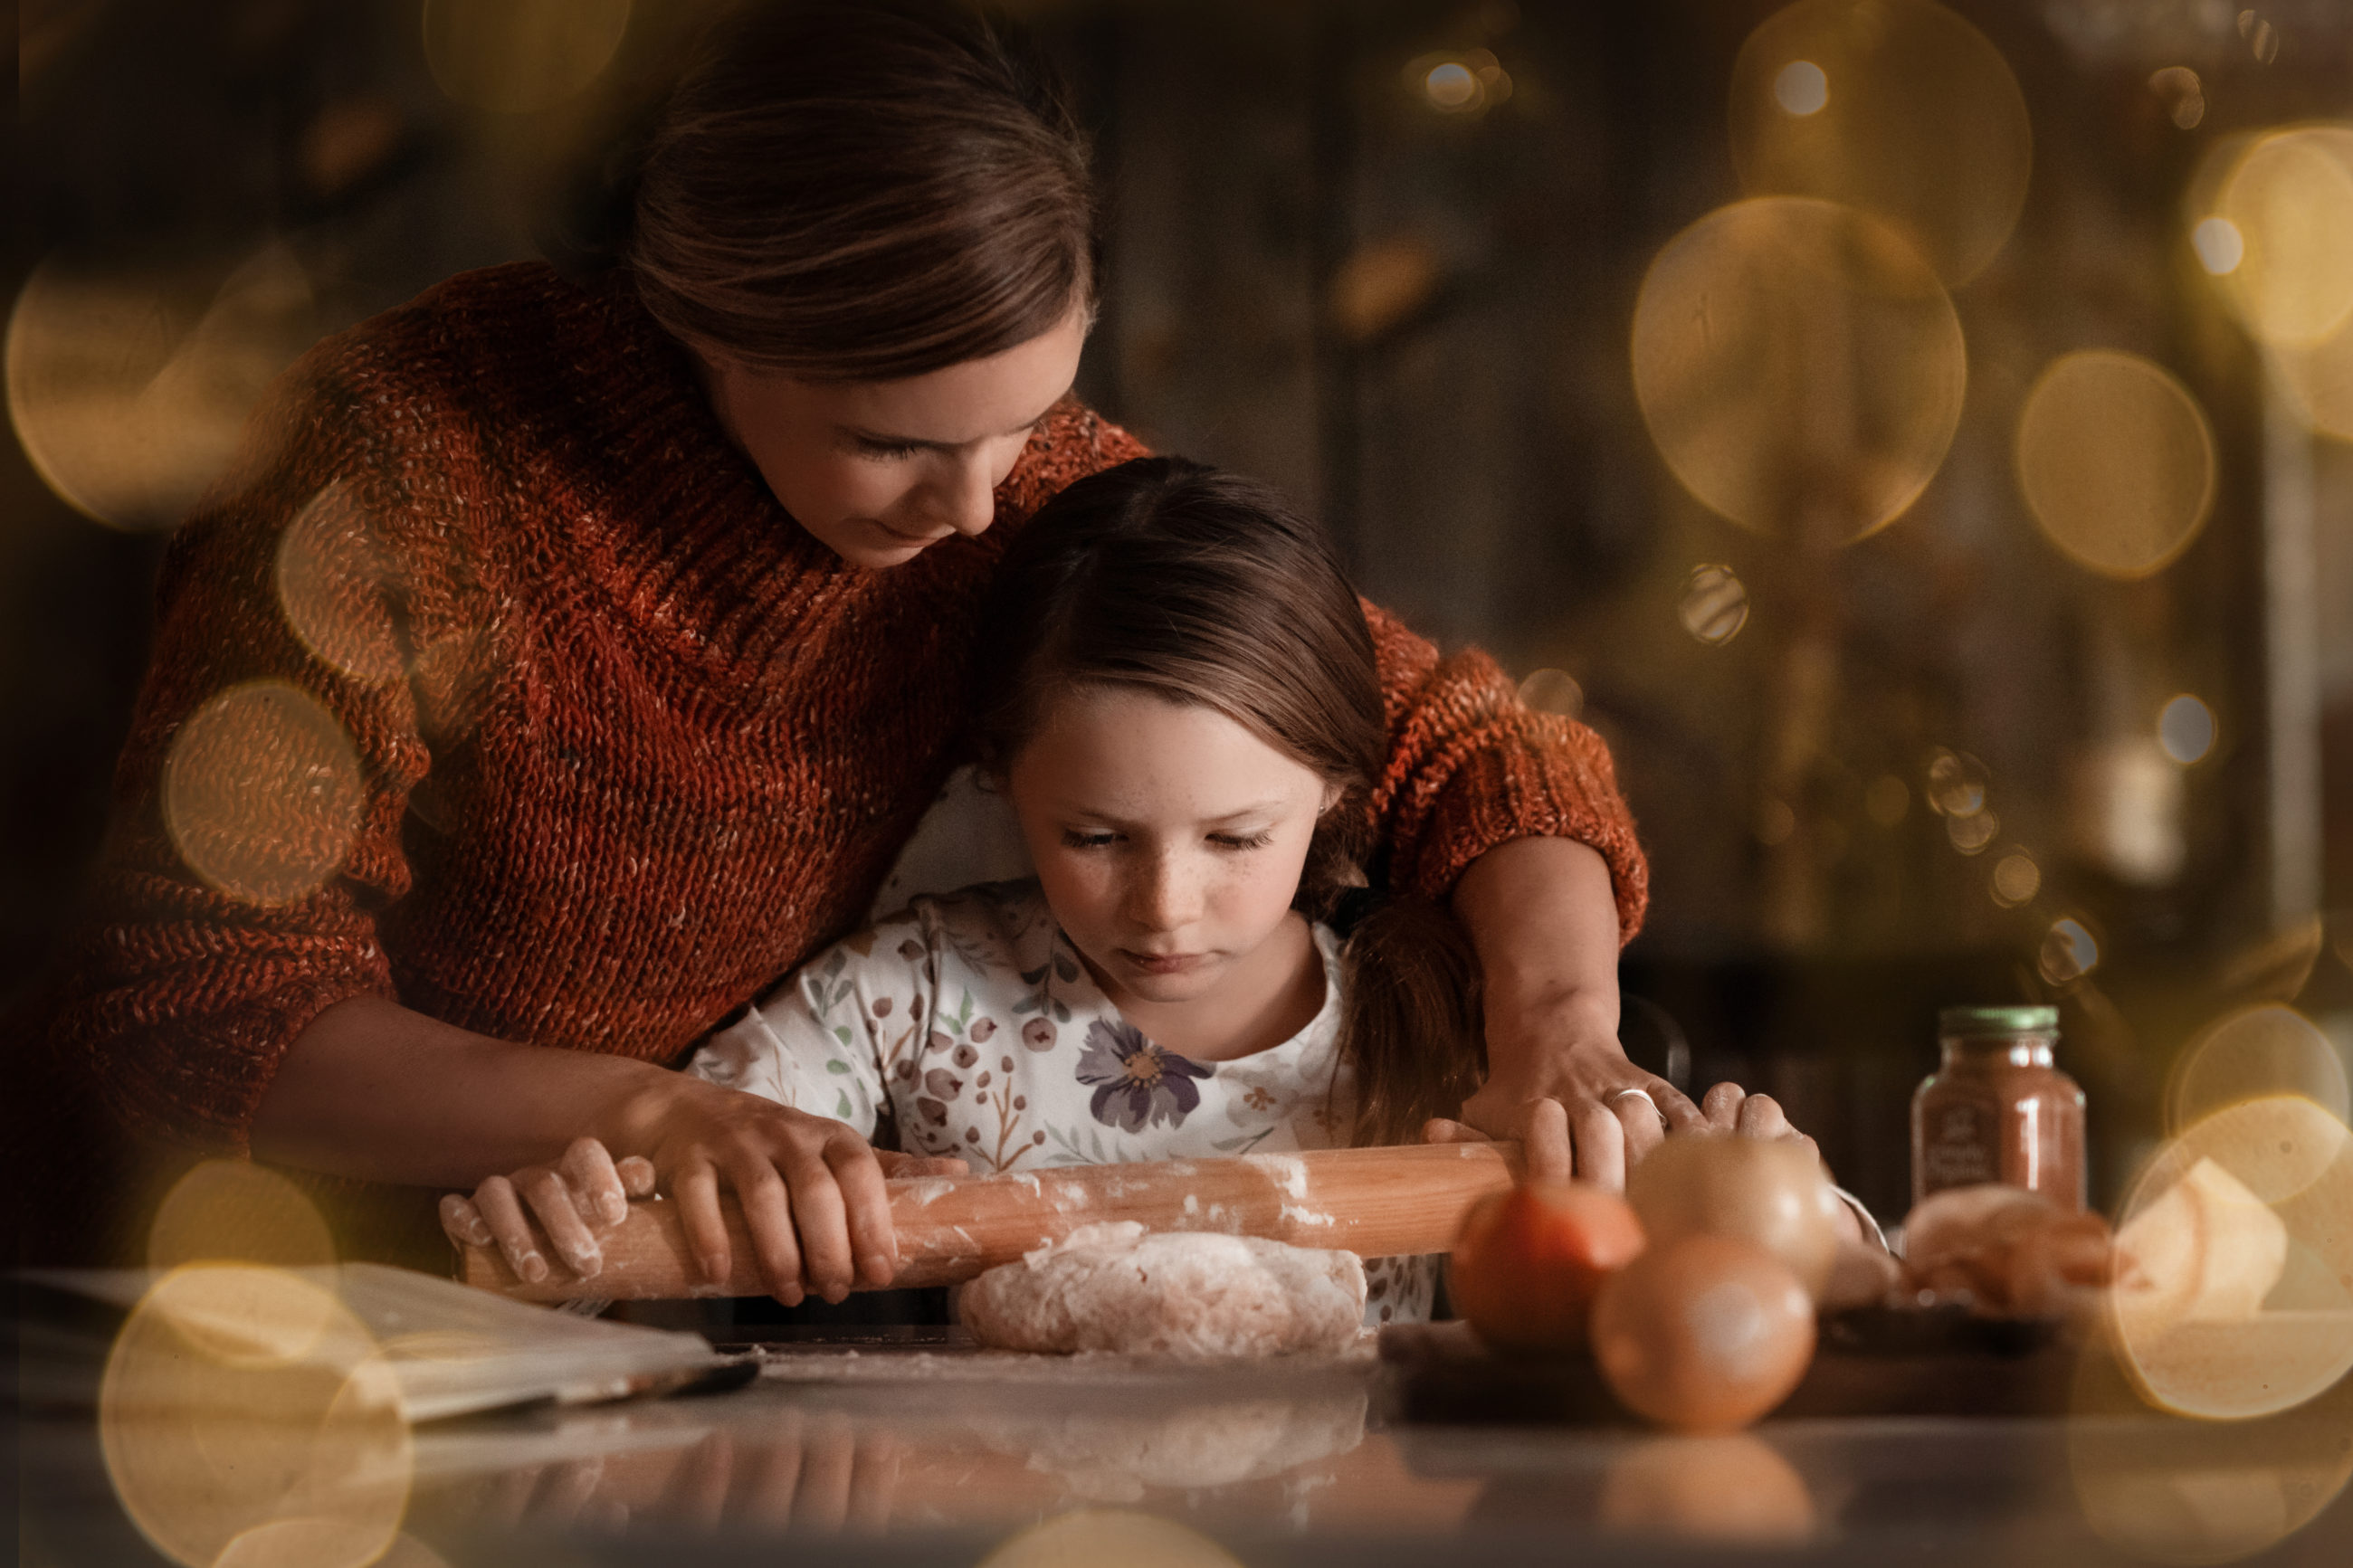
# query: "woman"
(642, 603)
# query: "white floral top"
(968, 1021)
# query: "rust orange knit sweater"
(629, 741)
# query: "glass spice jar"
(1996, 1109)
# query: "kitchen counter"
(905, 1446)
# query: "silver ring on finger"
(1642, 1094)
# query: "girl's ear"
(1333, 793)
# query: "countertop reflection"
(907, 1451)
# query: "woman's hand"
(810, 1189)
(1541, 914)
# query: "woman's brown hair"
(860, 192)
(1205, 589)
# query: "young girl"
(1180, 703)
(1177, 695)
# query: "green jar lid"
(1969, 1021)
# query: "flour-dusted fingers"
(502, 1211)
(822, 1219)
(638, 1178)
(1761, 1117)
(552, 1199)
(768, 1215)
(1446, 1130)
(696, 1191)
(596, 1189)
(1640, 1119)
(866, 1206)
(1600, 1148)
(462, 1223)
(1721, 1107)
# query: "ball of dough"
(1184, 1294)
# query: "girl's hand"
(577, 1199)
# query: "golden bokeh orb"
(2257, 1052)
(2068, 953)
(1089, 1536)
(1553, 691)
(2289, 197)
(2185, 730)
(1913, 115)
(1800, 367)
(331, 572)
(262, 792)
(2117, 462)
(514, 56)
(1957, 784)
(2016, 878)
(229, 1441)
(234, 1210)
(2234, 1295)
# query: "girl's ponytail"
(1411, 1030)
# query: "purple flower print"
(1137, 1081)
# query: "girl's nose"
(966, 498)
(1164, 896)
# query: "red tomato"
(1527, 1263)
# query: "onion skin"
(1704, 1334)
(1527, 1263)
(1769, 1191)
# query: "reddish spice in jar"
(1996, 1109)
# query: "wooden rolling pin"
(1377, 1203)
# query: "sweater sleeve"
(284, 718)
(1471, 766)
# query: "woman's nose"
(966, 498)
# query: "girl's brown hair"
(1205, 589)
(861, 192)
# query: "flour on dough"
(1186, 1294)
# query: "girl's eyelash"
(885, 451)
(1237, 841)
(1073, 839)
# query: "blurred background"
(1915, 437)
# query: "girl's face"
(881, 470)
(1169, 838)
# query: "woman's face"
(881, 470)
(1169, 838)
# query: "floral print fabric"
(967, 1023)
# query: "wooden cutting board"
(1376, 1203)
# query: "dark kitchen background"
(1916, 437)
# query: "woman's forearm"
(1540, 914)
(373, 1090)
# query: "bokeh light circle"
(2068, 953)
(1715, 604)
(2254, 1053)
(2117, 462)
(2016, 878)
(2219, 244)
(1109, 1535)
(512, 57)
(262, 792)
(128, 391)
(331, 572)
(1799, 366)
(220, 1452)
(1972, 833)
(1553, 691)
(2234, 1298)
(227, 1210)
(1919, 120)
(1957, 784)
(2290, 198)
(2185, 729)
